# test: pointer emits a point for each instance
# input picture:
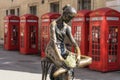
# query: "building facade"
(39, 7)
(115, 4)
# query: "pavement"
(16, 66)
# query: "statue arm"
(53, 39)
(77, 49)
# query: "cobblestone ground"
(15, 66)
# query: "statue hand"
(62, 59)
(78, 57)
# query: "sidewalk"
(15, 66)
(15, 75)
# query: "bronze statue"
(56, 49)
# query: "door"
(95, 43)
(22, 31)
(77, 34)
(112, 44)
(44, 37)
(6, 34)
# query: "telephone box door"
(95, 49)
(80, 30)
(77, 34)
(32, 37)
(113, 47)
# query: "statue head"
(68, 13)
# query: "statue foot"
(59, 71)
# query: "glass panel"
(12, 11)
(6, 12)
(33, 10)
(45, 37)
(96, 43)
(77, 34)
(84, 4)
(18, 11)
(22, 36)
(54, 7)
(32, 36)
(112, 43)
(6, 33)
(14, 35)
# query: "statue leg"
(70, 74)
(62, 76)
(52, 71)
(65, 76)
(85, 61)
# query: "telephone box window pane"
(22, 36)
(14, 35)
(6, 33)
(113, 43)
(77, 34)
(96, 43)
(32, 37)
(45, 37)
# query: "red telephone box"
(105, 39)
(28, 34)
(46, 19)
(11, 32)
(80, 30)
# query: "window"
(112, 44)
(54, 7)
(22, 28)
(84, 4)
(32, 37)
(18, 11)
(96, 43)
(33, 10)
(109, 0)
(6, 12)
(12, 11)
(14, 35)
(77, 34)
